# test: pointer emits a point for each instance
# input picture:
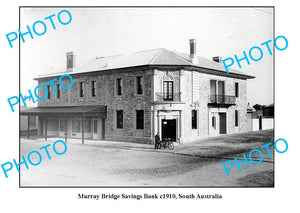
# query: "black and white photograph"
(149, 106)
(147, 96)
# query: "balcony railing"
(222, 99)
(160, 96)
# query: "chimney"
(70, 61)
(193, 54)
(217, 59)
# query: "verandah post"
(45, 129)
(66, 130)
(82, 128)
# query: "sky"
(111, 31)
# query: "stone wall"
(129, 101)
(192, 90)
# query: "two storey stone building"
(133, 97)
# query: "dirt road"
(106, 163)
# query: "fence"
(267, 123)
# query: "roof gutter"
(186, 67)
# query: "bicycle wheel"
(171, 146)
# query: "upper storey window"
(168, 90)
(119, 86)
(236, 89)
(139, 85)
(93, 88)
(58, 91)
(81, 92)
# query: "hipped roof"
(155, 57)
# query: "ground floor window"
(62, 125)
(194, 119)
(88, 125)
(52, 124)
(139, 119)
(213, 122)
(95, 126)
(119, 119)
(236, 118)
(32, 121)
(75, 125)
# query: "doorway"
(223, 127)
(95, 129)
(103, 128)
(168, 129)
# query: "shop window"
(52, 124)
(95, 126)
(62, 125)
(76, 125)
(87, 125)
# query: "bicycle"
(166, 144)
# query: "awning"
(97, 110)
